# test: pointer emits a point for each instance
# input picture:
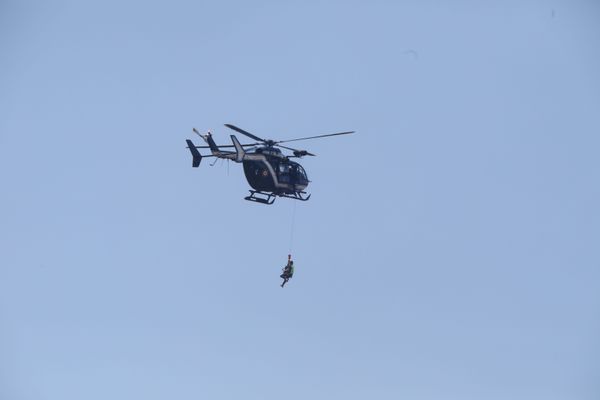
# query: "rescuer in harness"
(288, 271)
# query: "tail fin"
(239, 150)
(196, 156)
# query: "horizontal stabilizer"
(196, 156)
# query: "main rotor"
(277, 143)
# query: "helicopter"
(269, 172)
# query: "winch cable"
(292, 226)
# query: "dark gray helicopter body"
(268, 171)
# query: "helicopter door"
(283, 173)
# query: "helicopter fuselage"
(267, 170)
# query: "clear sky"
(450, 249)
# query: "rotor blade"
(196, 132)
(243, 132)
(299, 151)
(208, 155)
(243, 145)
(315, 137)
(228, 145)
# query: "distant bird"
(411, 53)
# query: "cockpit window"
(299, 171)
(302, 172)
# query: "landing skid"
(269, 198)
(296, 196)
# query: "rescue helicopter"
(269, 172)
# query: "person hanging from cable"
(288, 271)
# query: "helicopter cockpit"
(291, 172)
(298, 174)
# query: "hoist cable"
(292, 227)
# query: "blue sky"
(449, 250)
